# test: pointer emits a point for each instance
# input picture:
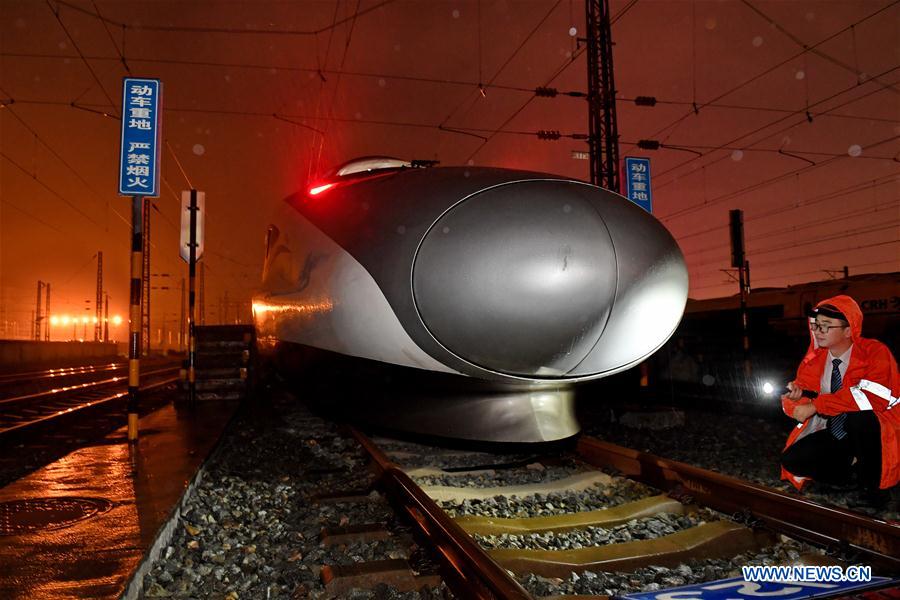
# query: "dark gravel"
(741, 446)
(637, 529)
(554, 503)
(251, 528)
(657, 578)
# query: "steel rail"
(56, 392)
(878, 540)
(469, 571)
(12, 378)
(88, 404)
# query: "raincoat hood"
(850, 309)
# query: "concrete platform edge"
(166, 531)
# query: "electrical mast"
(98, 305)
(603, 138)
(38, 316)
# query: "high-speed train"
(486, 293)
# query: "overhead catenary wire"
(761, 184)
(224, 30)
(814, 50)
(178, 163)
(867, 230)
(766, 126)
(854, 214)
(269, 67)
(313, 165)
(83, 59)
(775, 67)
(58, 156)
(32, 216)
(551, 79)
(121, 52)
(622, 101)
(56, 194)
(829, 252)
(783, 276)
(475, 94)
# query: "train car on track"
(492, 290)
(786, 309)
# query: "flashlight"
(768, 388)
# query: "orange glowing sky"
(262, 95)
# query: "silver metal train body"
(527, 281)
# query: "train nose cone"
(518, 279)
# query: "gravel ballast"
(251, 528)
(742, 446)
(653, 578)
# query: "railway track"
(479, 552)
(14, 378)
(24, 412)
(19, 384)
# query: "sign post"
(637, 182)
(193, 209)
(138, 178)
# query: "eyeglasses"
(824, 328)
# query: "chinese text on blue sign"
(139, 157)
(637, 182)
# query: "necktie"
(835, 375)
(836, 424)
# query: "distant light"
(768, 388)
(95, 320)
(573, 31)
(65, 319)
(54, 320)
(117, 320)
(84, 320)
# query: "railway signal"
(193, 209)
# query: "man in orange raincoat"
(853, 425)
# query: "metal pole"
(201, 297)
(603, 130)
(36, 332)
(98, 305)
(744, 321)
(192, 271)
(47, 312)
(135, 314)
(181, 321)
(106, 322)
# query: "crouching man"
(853, 425)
